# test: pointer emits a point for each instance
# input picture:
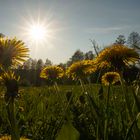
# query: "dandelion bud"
(82, 99)
(68, 95)
(12, 88)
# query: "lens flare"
(37, 32)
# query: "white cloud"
(105, 30)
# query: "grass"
(46, 112)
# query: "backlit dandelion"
(10, 80)
(103, 65)
(52, 73)
(12, 52)
(110, 78)
(118, 56)
(8, 75)
(81, 69)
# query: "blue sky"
(73, 23)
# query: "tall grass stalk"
(131, 115)
(106, 115)
(131, 126)
(136, 99)
(124, 91)
(94, 110)
(62, 119)
(12, 119)
(56, 87)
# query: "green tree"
(89, 55)
(39, 64)
(120, 40)
(134, 40)
(2, 35)
(33, 64)
(48, 62)
(27, 64)
(77, 56)
(62, 65)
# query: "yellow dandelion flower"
(12, 52)
(110, 78)
(81, 69)
(10, 80)
(118, 56)
(8, 75)
(103, 65)
(52, 73)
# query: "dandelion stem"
(107, 117)
(82, 85)
(12, 120)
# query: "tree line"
(30, 70)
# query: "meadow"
(106, 109)
(72, 113)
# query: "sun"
(37, 32)
(40, 32)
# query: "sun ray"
(40, 32)
(36, 31)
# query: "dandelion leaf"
(68, 132)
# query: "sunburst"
(40, 32)
(37, 31)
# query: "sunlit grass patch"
(9, 138)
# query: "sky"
(70, 23)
